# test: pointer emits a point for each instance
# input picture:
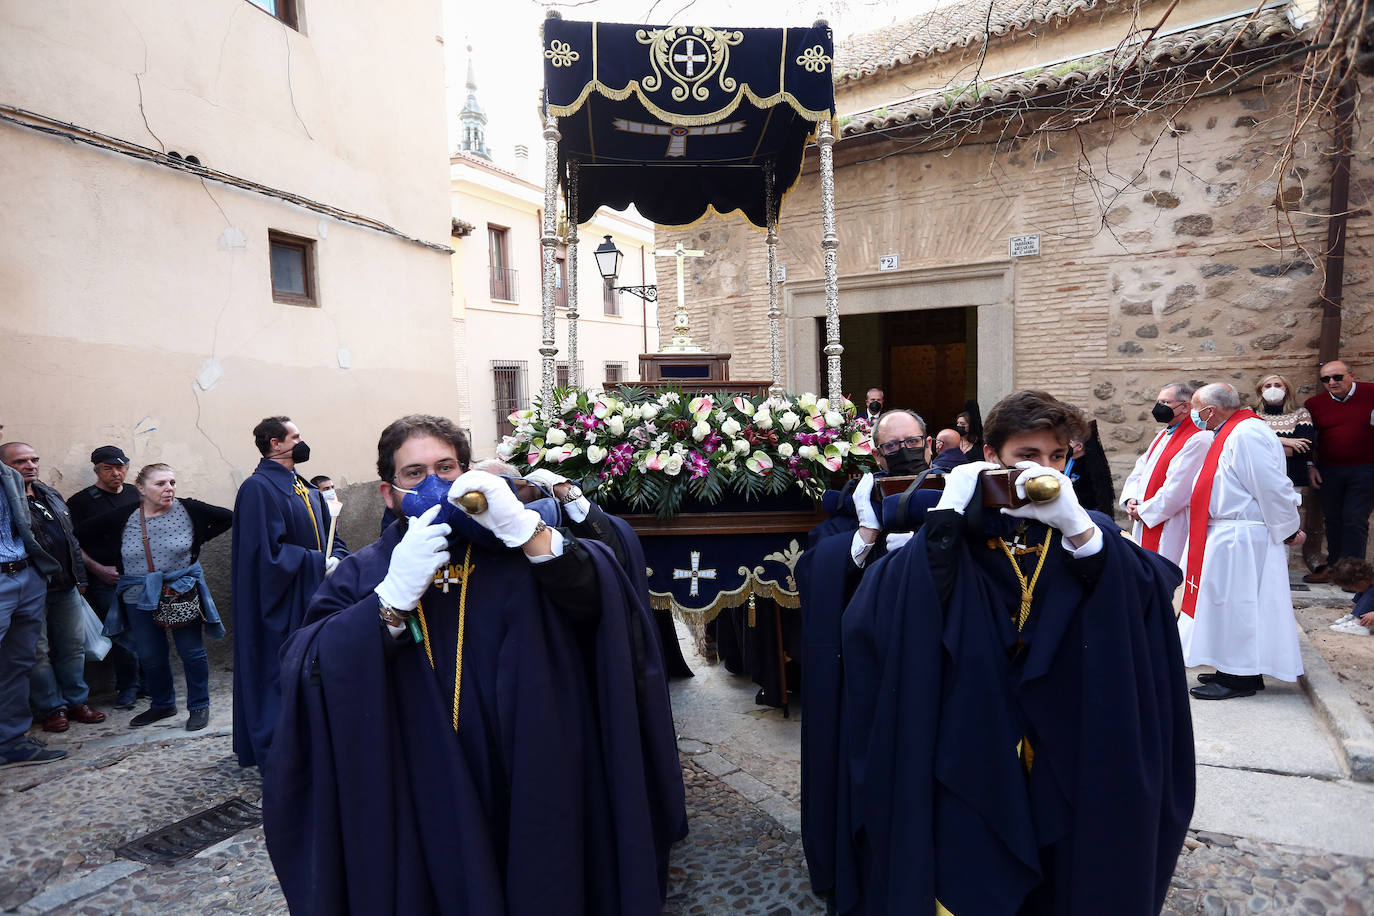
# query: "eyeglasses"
(412, 474)
(1333, 378)
(892, 446)
(1167, 403)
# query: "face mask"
(907, 462)
(875, 406)
(430, 492)
(1272, 395)
(300, 452)
(329, 495)
(1162, 413)
(1197, 419)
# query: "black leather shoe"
(1214, 677)
(1219, 691)
(198, 719)
(149, 716)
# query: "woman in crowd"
(162, 587)
(1274, 403)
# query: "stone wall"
(1167, 251)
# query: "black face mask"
(907, 462)
(1162, 413)
(875, 407)
(300, 452)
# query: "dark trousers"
(155, 660)
(1347, 498)
(123, 653)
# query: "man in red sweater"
(1341, 467)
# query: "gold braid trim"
(1027, 587)
(466, 573)
(304, 494)
(753, 586)
(681, 120)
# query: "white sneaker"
(1345, 618)
(1351, 628)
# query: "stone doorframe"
(986, 286)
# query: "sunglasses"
(1332, 378)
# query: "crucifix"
(677, 136)
(682, 338)
(696, 574)
(691, 58)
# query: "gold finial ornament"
(474, 502)
(1042, 489)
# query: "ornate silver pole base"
(549, 244)
(574, 377)
(830, 242)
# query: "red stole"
(1200, 506)
(1150, 537)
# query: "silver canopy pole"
(830, 243)
(574, 378)
(774, 315)
(549, 244)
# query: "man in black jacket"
(57, 682)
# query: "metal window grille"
(616, 373)
(511, 386)
(561, 373)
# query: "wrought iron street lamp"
(608, 262)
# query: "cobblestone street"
(65, 821)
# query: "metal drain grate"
(190, 835)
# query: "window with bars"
(616, 373)
(561, 379)
(504, 282)
(610, 299)
(511, 392)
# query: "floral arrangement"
(649, 449)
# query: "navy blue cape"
(277, 566)
(936, 703)
(560, 792)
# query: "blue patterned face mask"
(430, 492)
(433, 491)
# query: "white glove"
(898, 538)
(506, 517)
(578, 509)
(863, 503)
(1063, 512)
(330, 564)
(960, 484)
(422, 550)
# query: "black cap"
(109, 454)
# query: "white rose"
(808, 451)
(741, 447)
(649, 411)
(763, 420)
(730, 427)
(785, 450)
(822, 404)
(505, 450)
(833, 419)
(616, 425)
(701, 430)
(595, 453)
(673, 465)
(843, 448)
(789, 421)
(555, 436)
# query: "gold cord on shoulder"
(304, 494)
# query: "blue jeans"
(1347, 498)
(57, 679)
(151, 640)
(21, 616)
(123, 653)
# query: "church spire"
(472, 120)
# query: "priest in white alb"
(1237, 615)
(1156, 494)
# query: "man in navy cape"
(839, 550)
(281, 530)
(1015, 727)
(516, 759)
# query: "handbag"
(174, 609)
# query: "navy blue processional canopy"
(682, 120)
